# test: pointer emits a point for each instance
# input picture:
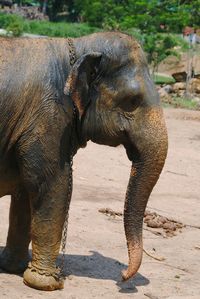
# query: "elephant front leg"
(48, 214)
(14, 258)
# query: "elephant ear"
(80, 78)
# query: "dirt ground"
(96, 246)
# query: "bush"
(158, 47)
(12, 23)
(19, 25)
(59, 29)
(16, 28)
(8, 19)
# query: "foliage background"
(124, 14)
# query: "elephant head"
(118, 104)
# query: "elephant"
(56, 95)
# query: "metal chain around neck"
(72, 59)
(72, 51)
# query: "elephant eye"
(130, 103)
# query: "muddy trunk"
(148, 161)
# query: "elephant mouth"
(132, 152)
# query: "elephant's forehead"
(121, 49)
(131, 56)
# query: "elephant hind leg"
(14, 258)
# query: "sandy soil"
(96, 250)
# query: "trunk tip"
(127, 274)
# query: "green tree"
(147, 15)
(143, 14)
(158, 47)
(100, 13)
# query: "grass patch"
(18, 25)
(58, 29)
(178, 102)
(161, 79)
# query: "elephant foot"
(11, 262)
(42, 279)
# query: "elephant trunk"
(149, 153)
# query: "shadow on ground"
(98, 266)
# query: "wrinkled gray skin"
(116, 103)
